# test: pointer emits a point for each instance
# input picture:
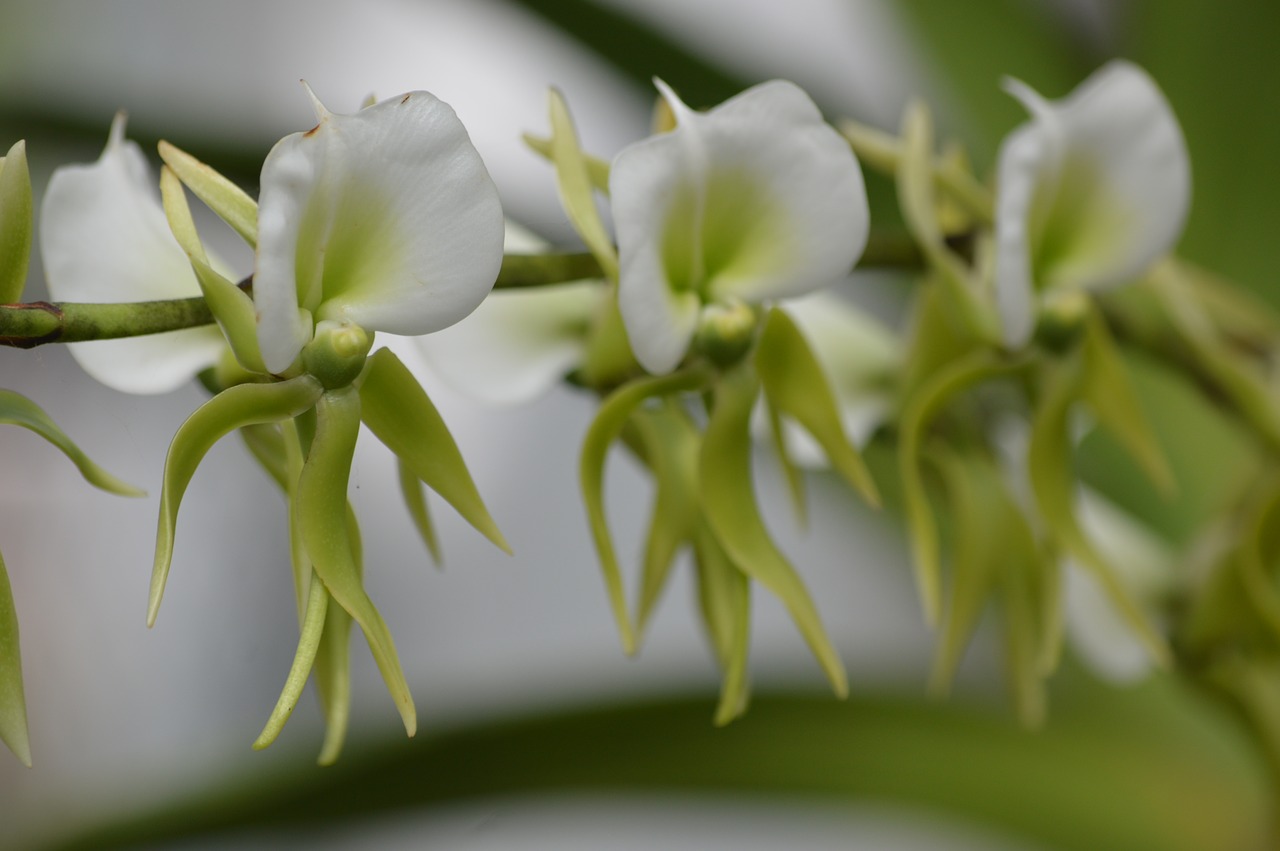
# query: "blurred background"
(536, 731)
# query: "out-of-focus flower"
(1092, 190)
(757, 199)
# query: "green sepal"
(231, 203)
(322, 517)
(724, 597)
(597, 169)
(399, 413)
(1053, 482)
(791, 471)
(15, 223)
(796, 386)
(1110, 395)
(575, 185)
(16, 409)
(729, 503)
(303, 660)
(296, 435)
(415, 500)
(671, 449)
(333, 662)
(614, 412)
(231, 306)
(13, 702)
(1257, 555)
(235, 407)
(266, 445)
(920, 410)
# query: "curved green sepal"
(790, 469)
(1053, 481)
(16, 409)
(1110, 395)
(575, 185)
(231, 203)
(231, 306)
(235, 407)
(415, 500)
(322, 514)
(920, 410)
(399, 413)
(300, 670)
(333, 662)
(728, 499)
(266, 445)
(614, 412)
(796, 386)
(15, 223)
(597, 169)
(724, 597)
(13, 702)
(671, 448)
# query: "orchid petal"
(386, 219)
(1092, 191)
(756, 199)
(104, 238)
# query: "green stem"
(25, 326)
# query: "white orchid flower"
(104, 238)
(1092, 191)
(757, 199)
(385, 219)
(518, 343)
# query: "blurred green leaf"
(13, 703)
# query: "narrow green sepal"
(236, 407)
(796, 386)
(322, 512)
(333, 681)
(614, 412)
(231, 203)
(300, 670)
(16, 409)
(13, 702)
(15, 223)
(724, 597)
(790, 469)
(729, 503)
(266, 445)
(1053, 482)
(920, 410)
(231, 306)
(415, 500)
(400, 414)
(575, 185)
(597, 169)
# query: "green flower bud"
(1062, 319)
(335, 356)
(726, 331)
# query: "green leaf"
(16, 409)
(227, 200)
(921, 408)
(1054, 483)
(300, 670)
(415, 500)
(323, 518)
(671, 448)
(724, 597)
(575, 185)
(231, 306)
(13, 703)
(614, 412)
(796, 385)
(15, 223)
(235, 407)
(1111, 396)
(397, 410)
(729, 503)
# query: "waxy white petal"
(1092, 190)
(386, 219)
(757, 199)
(104, 238)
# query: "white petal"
(1092, 191)
(386, 218)
(758, 198)
(104, 238)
